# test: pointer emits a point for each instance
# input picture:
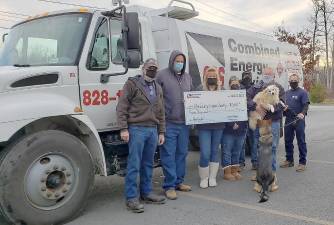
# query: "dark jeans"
(290, 131)
(142, 145)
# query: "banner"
(215, 106)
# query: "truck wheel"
(45, 178)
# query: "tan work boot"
(301, 168)
(274, 185)
(286, 164)
(253, 178)
(228, 175)
(171, 194)
(183, 187)
(257, 187)
(235, 173)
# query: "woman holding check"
(209, 135)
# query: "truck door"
(104, 56)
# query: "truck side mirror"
(4, 37)
(132, 40)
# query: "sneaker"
(274, 185)
(153, 199)
(135, 206)
(254, 167)
(286, 164)
(183, 187)
(301, 168)
(171, 194)
(241, 167)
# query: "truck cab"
(61, 75)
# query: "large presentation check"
(215, 106)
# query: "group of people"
(151, 113)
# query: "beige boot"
(235, 173)
(274, 185)
(213, 170)
(228, 175)
(204, 176)
(257, 187)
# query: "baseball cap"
(150, 63)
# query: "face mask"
(178, 67)
(294, 84)
(212, 81)
(246, 80)
(151, 73)
(235, 87)
(267, 79)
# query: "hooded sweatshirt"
(173, 86)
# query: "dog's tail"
(263, 197)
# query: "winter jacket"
(173, 86)
(135, 108)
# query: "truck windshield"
(54, 40)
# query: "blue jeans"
(142, 145)
(173, 154)
(254, 135)
(249, 139)
(209, 141)
(275, 130)
(289, 135)
(232, 146)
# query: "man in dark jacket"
(297, 102)
(174, 82)
(274, 115)
(246, 83)
(141, 116)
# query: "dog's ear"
(277, 90)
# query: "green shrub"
(317, 93)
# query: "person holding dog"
(233, 142)
(141, 117)
(270, 114)
(297, 102)
(209, 135)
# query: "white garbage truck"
(61, 74)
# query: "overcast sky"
(257, 15)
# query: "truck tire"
(45, 178)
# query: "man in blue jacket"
(275, 116)
(174, 82)
(297, 102)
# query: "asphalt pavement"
(302, 198)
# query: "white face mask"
(267, 79)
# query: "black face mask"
(246, 80)
(212, 81)
(294, 84)
(151, 73)
(235, 87)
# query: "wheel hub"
(49, 181)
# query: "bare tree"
(314, 20)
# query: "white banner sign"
(215, 106)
